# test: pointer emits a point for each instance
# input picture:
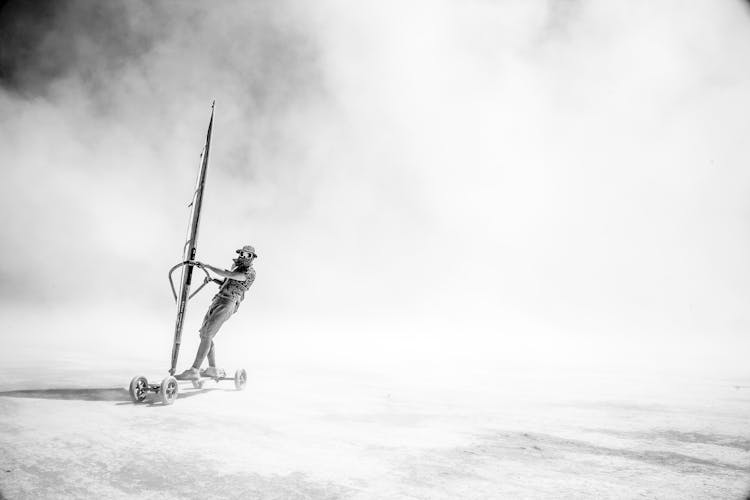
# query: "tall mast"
(190, 245)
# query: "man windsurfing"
(225, 303)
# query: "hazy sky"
(509, 179)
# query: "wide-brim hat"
(247, 249)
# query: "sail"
(190, 247)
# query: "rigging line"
(198, 178)
(192, 205)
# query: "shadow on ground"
(117, 394)
(100, 394)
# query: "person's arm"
(208, 280)
(224, 273)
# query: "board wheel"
(198, 384)
(240, 379)
(138, 389)
(168, 390)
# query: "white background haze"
(554, 183)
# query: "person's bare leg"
(203, 349)
(212, 355)
(217, 314)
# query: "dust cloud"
(556, 183)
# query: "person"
(225, 303)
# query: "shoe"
(189, 374)
(212, 372)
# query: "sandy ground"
(323, 433)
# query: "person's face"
(247, 256)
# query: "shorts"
(219, 311)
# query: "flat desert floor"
(309, 432)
